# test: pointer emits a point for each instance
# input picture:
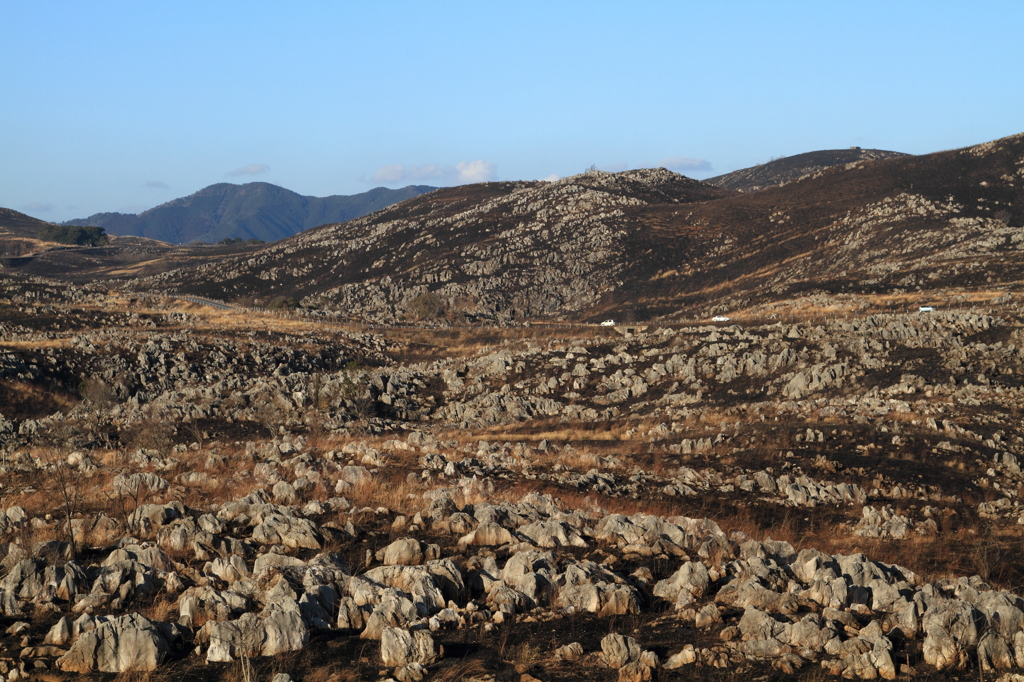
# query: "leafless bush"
(269, 413)
(196, 433)
(315, 391)
(152, 432)
(129, 493)
(426, 306)
(97, 392)
(355, 392)
(58, 478)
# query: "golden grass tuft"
(462, 670)
(390, 491)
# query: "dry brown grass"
(136, 676)
(29, 535)
(567, 435)
(462, 670)
(164, 608)
(858, 305)
(19, 396)
(579, 461)
(329, 672)
(468, 342)
(36, 344)
(389, 490)
(217, 320)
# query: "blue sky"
(121, 106)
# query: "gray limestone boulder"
(404, 552)
(399, 647)
(229, 569)
(602, 598)
(487, 534)
(635, 671)
(552, 533)
(284, 493)
(570, 652)
(755, 624)
(204, 603)
(290, 531)
(685, 586)
(129, 643)
(149, 518)
(138, 484)
(617, 650)
(994, 652)
(277, 629)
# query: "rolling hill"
(787, 169)
(22, 235)
(651, 243)
(255, 210)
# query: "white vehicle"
(719, 318)
(925, 309)
(608, 323)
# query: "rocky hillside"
(789, 168)
(916, 225)
(499, 251)
(648, 244)
(255, 210)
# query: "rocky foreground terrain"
(813, 493)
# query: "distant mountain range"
(255, 210)
(789, 168)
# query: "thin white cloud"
(475, 171)
(551, 178)
(156, 184)
(39, 206)
(251, 169)
(685, 163)
(394, 172)
(462, 173)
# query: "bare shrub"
(152, 432)
(426, 307)
(58, 478)
(196, 433)
(97, 392)
(270, 414)
(355, 394)
(461, 308)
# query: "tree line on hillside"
(74, 235)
